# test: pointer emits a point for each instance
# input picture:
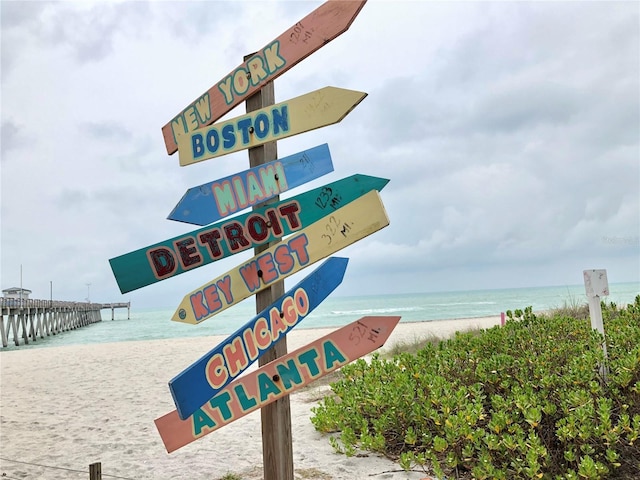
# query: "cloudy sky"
(510, 132)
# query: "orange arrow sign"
(325, 23)
(277, 379)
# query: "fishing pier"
(29, 319)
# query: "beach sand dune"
(68, 407)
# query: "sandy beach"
(68, 407)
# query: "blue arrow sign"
(212, 201)
(193, 387)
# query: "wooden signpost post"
(325, 23)
(213, 371)
(320, 222)
(215, 200)
(277, 379)
(307, 112)
(201, 247)
(325, 237)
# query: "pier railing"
(28, 319)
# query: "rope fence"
(95, 470)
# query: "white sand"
(71, 406)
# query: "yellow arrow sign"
(313, 110)
(337, 230)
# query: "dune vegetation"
(534, 399)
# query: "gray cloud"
(511, 141)
(12, 137)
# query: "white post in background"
(596, 286)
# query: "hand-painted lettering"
(239, 133)
(212, 298)
(284, 259)
(236, 353)
(277, 325)
(186, 253)
(262, 333)
(254, 190)
(250, 343)
(272, 55)
(244, 125)
(269, 270)
(240, 192)
(301, 300)
(258, 68)
(266, 387)
(208, 301)
(229, 139)
(333, 357)
(249, 274)
(200, 310)
(299, 246)
(250, 190)
(221, 402)
(224, 285)
(257, 228)
(234, 234)
(216, 371)
(289, 373)
(201, 421)
(246, 403)
(290, 212)
(192, 117)
(209, 240)
(162, 261)
(225, 198)
(309, 359)
(275, 222)
(235, 356)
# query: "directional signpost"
(313, 110)
(213, 371)
(213, 201)
(276, 379)
(305, 37)
(341, 228)
(211, 393)
(186, 252)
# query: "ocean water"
(148, 324)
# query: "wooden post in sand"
(277, 443)
(596, 286)
(95, 471)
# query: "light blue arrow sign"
(212, 201)
(197, 384)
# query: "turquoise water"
(335, 311)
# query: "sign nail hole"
(276, 378)
(260, 273)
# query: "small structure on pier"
(16, 293)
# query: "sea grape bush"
(523, 401)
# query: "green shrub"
(522, 401)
